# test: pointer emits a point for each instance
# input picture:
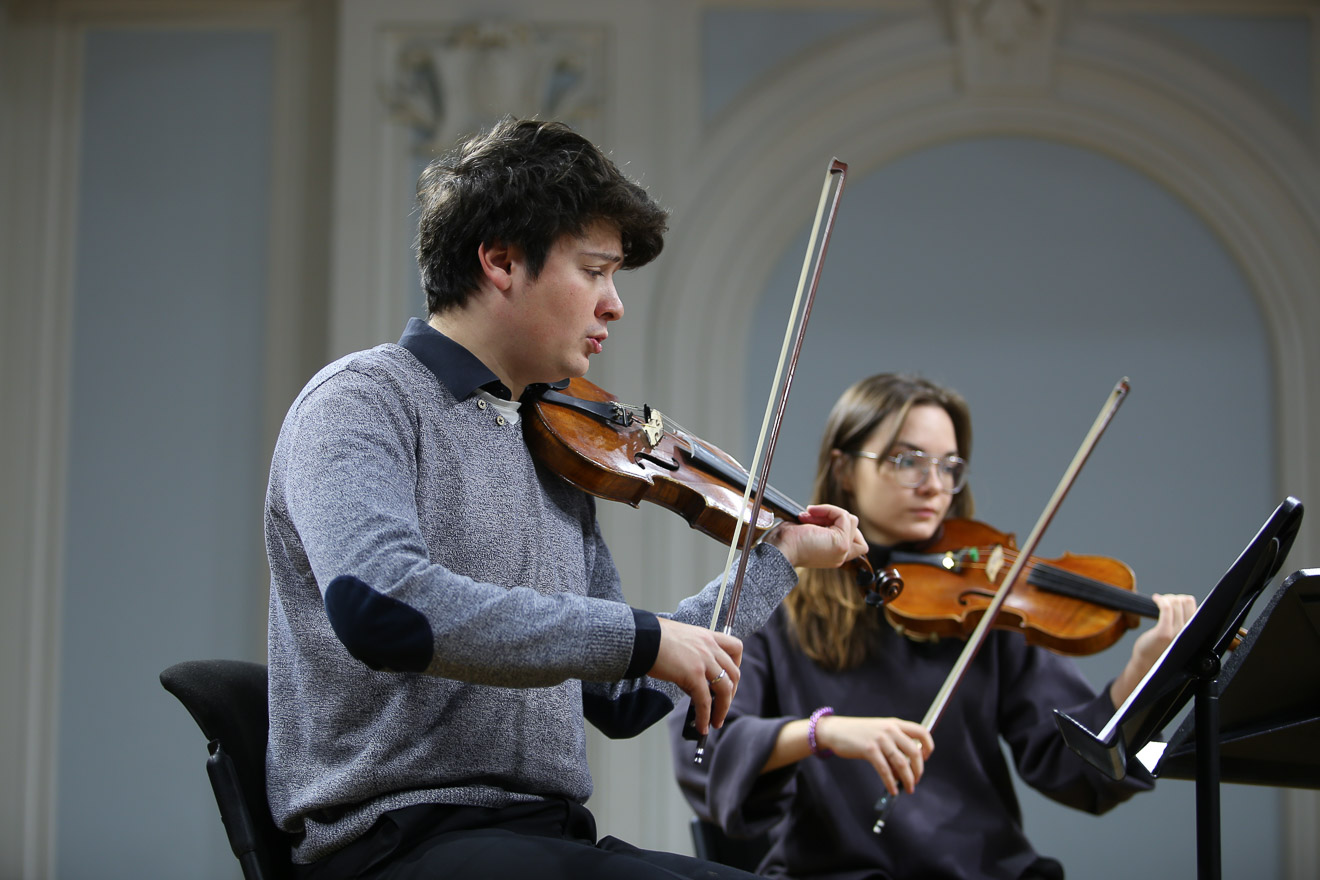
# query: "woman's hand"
(1175, 611)
(896, 748)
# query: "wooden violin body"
(634, 454)
(1074, 605)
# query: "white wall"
(163, 560)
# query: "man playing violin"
(445, 616)
(829, 686)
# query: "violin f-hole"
(982, 594)
(668, 464)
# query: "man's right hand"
(702, 662)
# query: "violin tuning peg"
(891, 584)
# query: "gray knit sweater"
(442, 611)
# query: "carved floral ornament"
(456, 80)
(1005, 45)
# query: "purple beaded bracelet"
(811, 731)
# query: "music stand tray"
(1269, 698)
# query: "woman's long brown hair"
(827, 611)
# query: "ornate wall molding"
(1005, 46)
(457, 79)
(433, 84)
(413, 85)
(1182, 125)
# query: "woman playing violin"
(828, 687)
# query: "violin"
(632, 454)
(1075, 605)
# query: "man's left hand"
(825, 537)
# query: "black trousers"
(548, 840)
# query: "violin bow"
(826, 211)
(978, 636)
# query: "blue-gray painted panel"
(166, 460)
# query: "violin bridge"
(995, 564)
(654, 427)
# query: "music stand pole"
(1206, 708)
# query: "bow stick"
(831, 191)
(978, 636)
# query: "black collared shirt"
(458, 369)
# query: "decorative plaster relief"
(1005, 45)
(450, 82)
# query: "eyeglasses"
(911, 469)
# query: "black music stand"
(1269, 698)
(1191, 664)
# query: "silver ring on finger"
(718, 677)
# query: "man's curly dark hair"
(525, 183)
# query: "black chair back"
(227, 699)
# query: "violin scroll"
(887, 587)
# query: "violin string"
(637, 414)
(1060, 580)
(1094, 591)
(717, 463)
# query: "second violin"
(1075, 605)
